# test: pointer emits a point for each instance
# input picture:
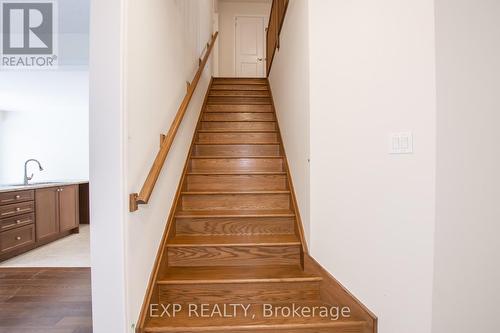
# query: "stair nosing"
(266, 244)
(233, 192)
(254, 215)
(237, 143)
(236, 131)
(240, 280)
(237, 157)
(269, 326)
(236, 173)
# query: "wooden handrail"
(143, 196)
(276, 19)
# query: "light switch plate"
(401, 143)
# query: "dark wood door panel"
(46, 212)
(68, 207)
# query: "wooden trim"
(147, 188)
(298, 219)
(167, 233)
(277, 16)
(332, 291)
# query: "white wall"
(47, 119)
(289, 80)
(157, 69)
(372, 214)
(467, 257)
(108, 201)
(45, 112)
(228, 10)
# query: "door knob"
(259, 59)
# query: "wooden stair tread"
(234, 81)
(236, 157)
(238, 121)
(215, 173)
(232, 192)
(234, 274)
(235, 131)
(230, 87)
(235, 213)
(234, 240)
(254, 322)
(274, 143)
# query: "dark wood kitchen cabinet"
(56, 211)
(33, 217)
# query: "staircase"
(234, 235)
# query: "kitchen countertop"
(20, 187)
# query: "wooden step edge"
(236, 131)
(187, 215)
(281, 173)
(233, 241)
(238, 121)
(234, 111)
(261, 327)
(240, 280)
(232, 192)
(235, 157)
(236, 87)
(235, 244)
(229, 111)
(251, 93)
(237, 143)
(235, 83)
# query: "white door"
(250, 47)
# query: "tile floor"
(71, 251)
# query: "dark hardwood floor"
(45, 300)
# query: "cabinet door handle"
(18, 197)
(18, 238)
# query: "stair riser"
(231, 182)
(240, 81)
(236, 165)
(239, 100)
(255, 293)
(235, 226)
(233, 255)
(236, 150)
(240, 93)
(252, 87)
(238, 126)
(271, 329)
(237, 137)
(232, 116)
(199, 202)
(238, 108)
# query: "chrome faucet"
(26, 178)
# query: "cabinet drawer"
(12, 239)
(16, 209)
(16, 196)
(16, 221)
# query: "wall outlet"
(401, 143)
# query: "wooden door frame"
(264, 41)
